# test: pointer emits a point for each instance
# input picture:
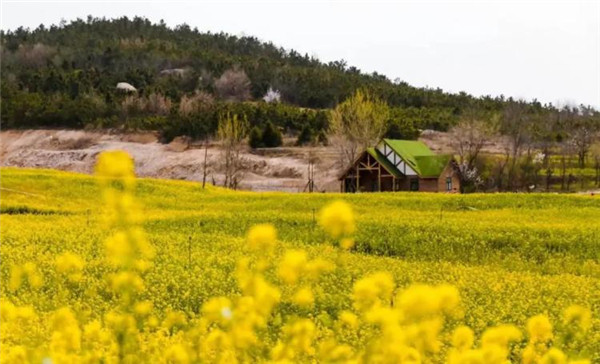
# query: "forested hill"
(66, 76)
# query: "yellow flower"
(174, 319)
(332, 352)
(539, 328)
(300, 335)
(449, 297)
(554, 356)
(262, 237)
(34, 277)
(66, 335)
(125, 281)
(418, 301)
(372, 289)
(500, 335)
(347, 243)
(462, 338)
(177, 354)
(16, 277)
(118, 248)
(70, 265)
(349, 319)
(143, 308)
(316, 267)
(218, 309)
(337, 219)
(292, 265)
(28, 272)
(304, 297)
(578, 316)
(115, 164)
(15, 354)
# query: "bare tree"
(515, 124)
(358, 123)
(501, 164)
(595, 151)
(157, 104)
(231, 132)
(35, 56)
(468, 137)
(583, 130)
(233, 85)
(195, 103)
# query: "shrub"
(307, 136)
(271, 136)
(255, 138)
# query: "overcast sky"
(549, 50)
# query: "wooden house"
(401, 165)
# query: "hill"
(66, 75)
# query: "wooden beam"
(379, 177)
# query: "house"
(401, 165)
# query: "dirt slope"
(279, 169)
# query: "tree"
(231, 133)
(467, 139)
(595, 150)
(233, 85)
(583, 132)
(514, 125)
(271, 136)
(272, 96)
(358, 123)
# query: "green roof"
(432, 165)
(381, 159)
(419, 157)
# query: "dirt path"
(278, 169)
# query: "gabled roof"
(432, 165)
(381, 159)
(426, 163)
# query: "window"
(414, 184)
(449, 184)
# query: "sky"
(547, 50)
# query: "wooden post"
(357, 178)
(204, 171)
(379, 177)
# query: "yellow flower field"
(111, 269)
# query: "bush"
(255, 138)
(307, 136)
(271, 136)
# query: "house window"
(449, 184)
(414, 184)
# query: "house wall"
(428, 185)
(451, 172)
(403, 184)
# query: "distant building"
(401, 165)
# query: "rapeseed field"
(114, 269)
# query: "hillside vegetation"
(511, 256)
(66, 76)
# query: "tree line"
(65, 75)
